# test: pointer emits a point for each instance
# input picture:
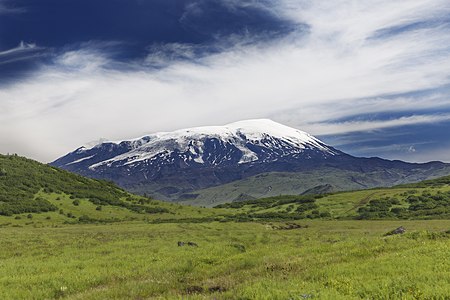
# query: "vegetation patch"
(325, 260)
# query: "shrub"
(85, 219)
(325, 214)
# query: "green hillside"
(285, 183)
(428, 199)
(39, 195)
(34, 193)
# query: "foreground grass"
(326, 260)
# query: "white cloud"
(83, 61)
(356, 126)
(20, 48)
(336, 70)
(21, 52)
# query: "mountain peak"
(174, 164)
(219, 153)
(249, 130)
(239, 142)
(269, 127)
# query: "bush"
(85, 219)
(76, 202)
(325, 214)
(30, 216)
(305, 206)
(398, 210)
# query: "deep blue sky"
(126, 29)
(371, 79)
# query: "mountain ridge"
(171, 164)
(240, 134)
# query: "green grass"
(22, 179)
(326, 260)
(65, 236)
(53, 196)
(344, 205)
(68, 213)
(34, 194)
(351, 205)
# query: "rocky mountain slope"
(174, 165)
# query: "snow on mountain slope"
(174, 165)
(242, 142)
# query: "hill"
(35, 194)
(310, 182)
(428, 199)
(31, 192)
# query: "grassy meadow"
(137, 260)
(63, 236)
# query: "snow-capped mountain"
(236, 143)
(244, 142)
(182, 161)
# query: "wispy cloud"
(356, 126)
(340, 66)
(23, 51)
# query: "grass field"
(136, 260)
(65, 236)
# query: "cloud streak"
(23, 51)
(337, 64)
(357, 126)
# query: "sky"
(371, 78)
